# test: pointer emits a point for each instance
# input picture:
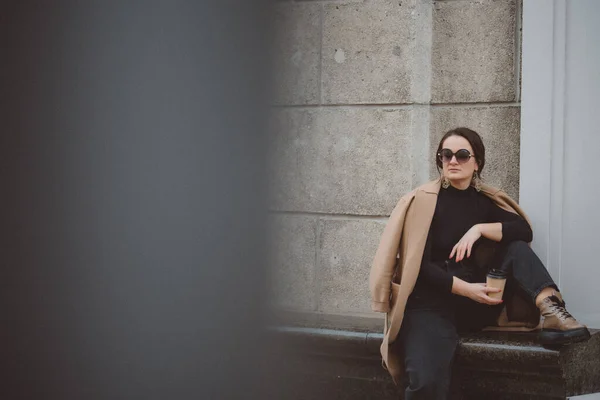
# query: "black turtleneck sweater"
(456, 212)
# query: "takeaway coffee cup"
(496, 278)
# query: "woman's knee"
(518, 247)
(429, 380)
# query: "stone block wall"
(363, 92)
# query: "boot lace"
(559, 309)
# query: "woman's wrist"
(492, 231)
(459, 286)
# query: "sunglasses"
(462, 156)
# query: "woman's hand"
(479, 293)
(465, 244)
(475, 291)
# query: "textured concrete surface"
(581, 365)
(494, 366)
(346, 250)
(339, 160)
(366, 52)
(473, 55)
(499, 129)
(296, 54)
(292, 250)
(354, 156)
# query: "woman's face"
(455, 170)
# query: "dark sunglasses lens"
(446, 155)
(463, 155)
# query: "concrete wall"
(364, 91)
(560, 144)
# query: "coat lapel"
(414, 236)
(416, 229)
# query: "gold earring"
(476, 181)
(445, 182)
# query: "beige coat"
(398, 260)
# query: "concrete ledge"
(491, 365)
(519, 350)
(593, 396)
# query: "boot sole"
(554, 336)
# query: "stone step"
(345, 364)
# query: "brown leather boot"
(558, 326)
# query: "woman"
(433, 258)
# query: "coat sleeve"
(384, 263)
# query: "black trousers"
(432, 321)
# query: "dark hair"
(475, 142)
